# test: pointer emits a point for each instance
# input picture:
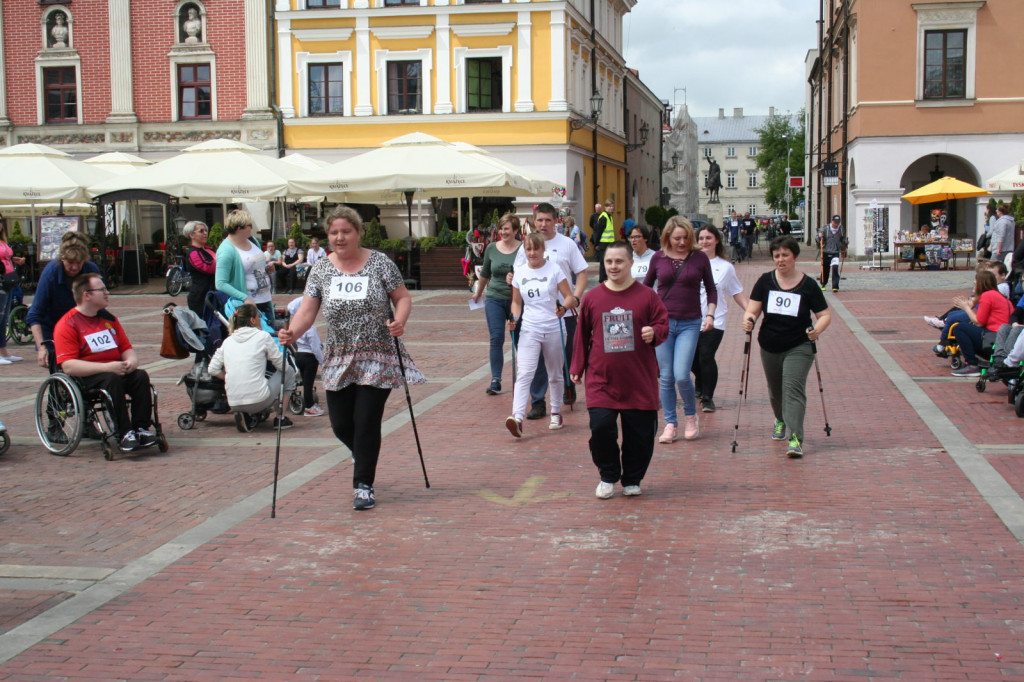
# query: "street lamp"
(788, 188)
(596, 100)
(675, 162)
(644, 130)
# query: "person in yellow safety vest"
(604, 235)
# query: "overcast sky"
(726, 53)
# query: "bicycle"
(178, 278)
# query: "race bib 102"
(783, 303)
(101, 341)
(349, 287)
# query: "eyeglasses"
(636, 236)
(100, 289)
(203, 231)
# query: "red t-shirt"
(96, 339)
(619, 369)
(994, 310)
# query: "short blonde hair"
(674, 222)
(236, 220)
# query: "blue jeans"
(675, 358)
(5, 314)
(497, 312)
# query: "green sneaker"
(779, 430)
(794, 451)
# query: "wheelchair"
(65, 414)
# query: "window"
(752, 179)
(730, 209)
(752, 151)
(483, 84)
(707, 152)
(730, 180)
(404, 91)
(705, 180)
(312, 4)
(398, 3)
(194, 91)
(752, 209)
(730, 152)
(325, 90)
(61, 94)
(945, 64)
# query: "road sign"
(800, 203)
(796, 181)
(829, 173)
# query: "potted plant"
(441, 260)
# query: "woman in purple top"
(679, 268)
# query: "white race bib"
(101, 341)
(783, 303)
(639, 270)
(349, 287)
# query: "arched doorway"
(961, 216)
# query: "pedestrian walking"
(832, 242)
(620, 323)
(679, 268)
(787, 298)
(705, 366)
(540, 297)
(498, 259)
(639, 239)
(356, 288)
(604, 235)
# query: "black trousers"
(308, 366)
(705, 368)
(135, 385)
(628, 463)
(827, 268)
(356, 413)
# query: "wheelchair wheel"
(5, 442)
(980, 385)
(161, 443)
(1018, 404)
(17, 328)
(955, 361)
(110, 448)
(175, 281)
(60, 414)
(200, 415)
(295, 402)
(186, 421)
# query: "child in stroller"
(242, 361)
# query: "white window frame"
(464, 53)
(197, 58)
(302, 62)
(730, 152)
(730, 180)
(707, 152)
(948, 16)
(752, 209)
(382, 57)
(751, 151)
(751, 179)
(47, 63)
(729, 210)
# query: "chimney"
(737, 112)
(771, 112)
(721, 113)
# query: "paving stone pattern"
(874, 557)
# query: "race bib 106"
(783, 303)
(101, 341)
(349, 287)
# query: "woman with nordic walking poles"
(540, 295)
(787, 298)
(679, 269)
(498, 259)
(356, 287)
(705, 367)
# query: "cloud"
(725, 53)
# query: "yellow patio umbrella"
(944, 189)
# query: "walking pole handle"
(814, 345)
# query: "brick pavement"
(888, 552)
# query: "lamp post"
(789, 152)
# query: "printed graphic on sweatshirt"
(618, 330)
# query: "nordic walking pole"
(744, 381)
(408, 399)
(280, 418)
(565, 363)
(512, 335)
(821, 389)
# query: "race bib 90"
(783, 303)
(349, 287)
(101, 341)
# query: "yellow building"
(517, 78)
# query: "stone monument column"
(257, 83)
(122, 106)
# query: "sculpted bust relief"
(59, 32)
(193, 26)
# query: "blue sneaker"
(794, 451)
(779, 430)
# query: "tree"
(781, 139)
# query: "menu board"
(51, 230)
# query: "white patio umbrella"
(1010, 180)
(119, 163)
(542, 185)
(215, 170)
(34, 173)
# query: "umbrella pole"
(408, 251)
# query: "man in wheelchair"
(91, 345)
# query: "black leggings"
(356, 413)
(705, 368)
(308, 366)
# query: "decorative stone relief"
(59, 32)
(192, 26)
(191, 135)
(260, 134)
(122, 138)
(74, 138)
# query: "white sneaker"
(5, 361)
(605, 490)
(12, 358)
(631, 490)
(313, 411)
(934, 322)
(556, 422)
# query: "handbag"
(9, 280)
(170, 345)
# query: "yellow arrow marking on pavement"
(526, 494)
